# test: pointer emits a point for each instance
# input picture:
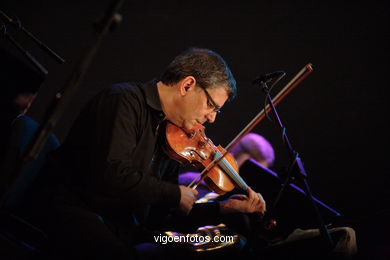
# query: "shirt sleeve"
(119, 125)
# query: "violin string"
(223, 163)
(194, 184)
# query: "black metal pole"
(297, 171)
(10, 21)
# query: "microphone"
(268, 77)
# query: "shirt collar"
(151, 94)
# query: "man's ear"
(187, 84)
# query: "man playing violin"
(190, 102)
(94, 195)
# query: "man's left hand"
(251, 203)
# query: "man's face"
(200, 105)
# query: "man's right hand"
(187, 199)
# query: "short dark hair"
(209, 69)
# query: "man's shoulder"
(125, 87)
(135, 93)
(126, 91)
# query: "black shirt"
(111, 162)
(108, 159)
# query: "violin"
(194, 148)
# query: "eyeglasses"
(211, 103)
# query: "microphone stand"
(296, 171)
(7, 20)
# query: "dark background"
(336, 118)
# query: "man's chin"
(190, 126)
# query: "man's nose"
(211, 117)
